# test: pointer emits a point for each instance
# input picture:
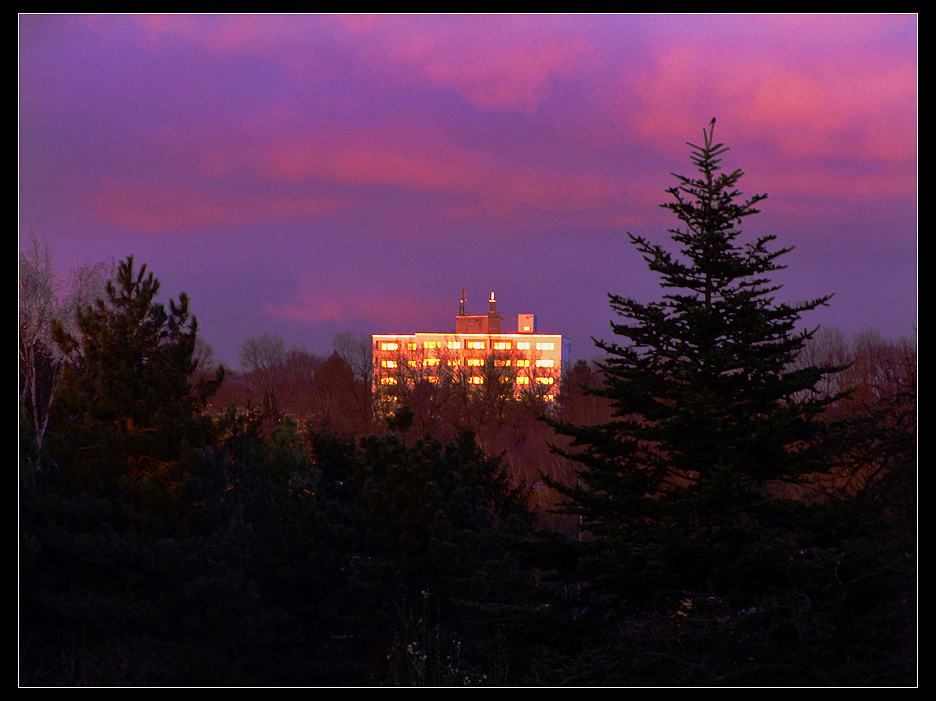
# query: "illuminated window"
(388, 380)
(476, 345)
(546, 345)
(410, 346)
(431, 361)
(523, 380)
(544, 380)
(389, 346)
(523, 345)
(475, 380)
(501, 345)
(432, 344)
(475, 362)
(523, 363)
(414, 363)
(388, 363)
(545, 363)
(454, 345)
(502, 363)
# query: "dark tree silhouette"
(707, 412)
(711, 572)
(128, 405)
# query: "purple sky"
(306, 175)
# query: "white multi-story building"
(477, 353)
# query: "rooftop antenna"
(461, 305)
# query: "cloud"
(315, 306)
(467, 180)
(837, 184)
(493, 62)
(222, 34)
(163, 209)
(504, 62)
(811, 90)
(558, 123)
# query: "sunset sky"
(307, 175)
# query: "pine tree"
(131, 568)
(129, 409)
(678, 489)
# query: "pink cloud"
(493, 62)
(316, 306)
(821, 112)
(274, 152)
(814, 180)
(161, 209)
(486, 184)
(258, 34)
(814, 91)
(828, 31)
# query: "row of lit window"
(472, 362)
(478, 380)
(471, 345)
(429, 345)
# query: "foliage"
(125, 575)
(705, 415)
(162, 546)
(692, 555)
(407, 527)
(128, 411)
(102, 605)
(168, 548)
(323, 391)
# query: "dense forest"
(720, 498)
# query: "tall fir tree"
(678, 490)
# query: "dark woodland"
(725, 496)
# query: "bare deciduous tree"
(262, 358)
(356, 351)
(44, 299)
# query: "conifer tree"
(129, 408)
(677, 489)
(126, 576)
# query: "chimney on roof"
(493, 318)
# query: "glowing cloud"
(161, 210)
(494, 62)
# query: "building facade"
(482, 350)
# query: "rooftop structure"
(480, 351)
